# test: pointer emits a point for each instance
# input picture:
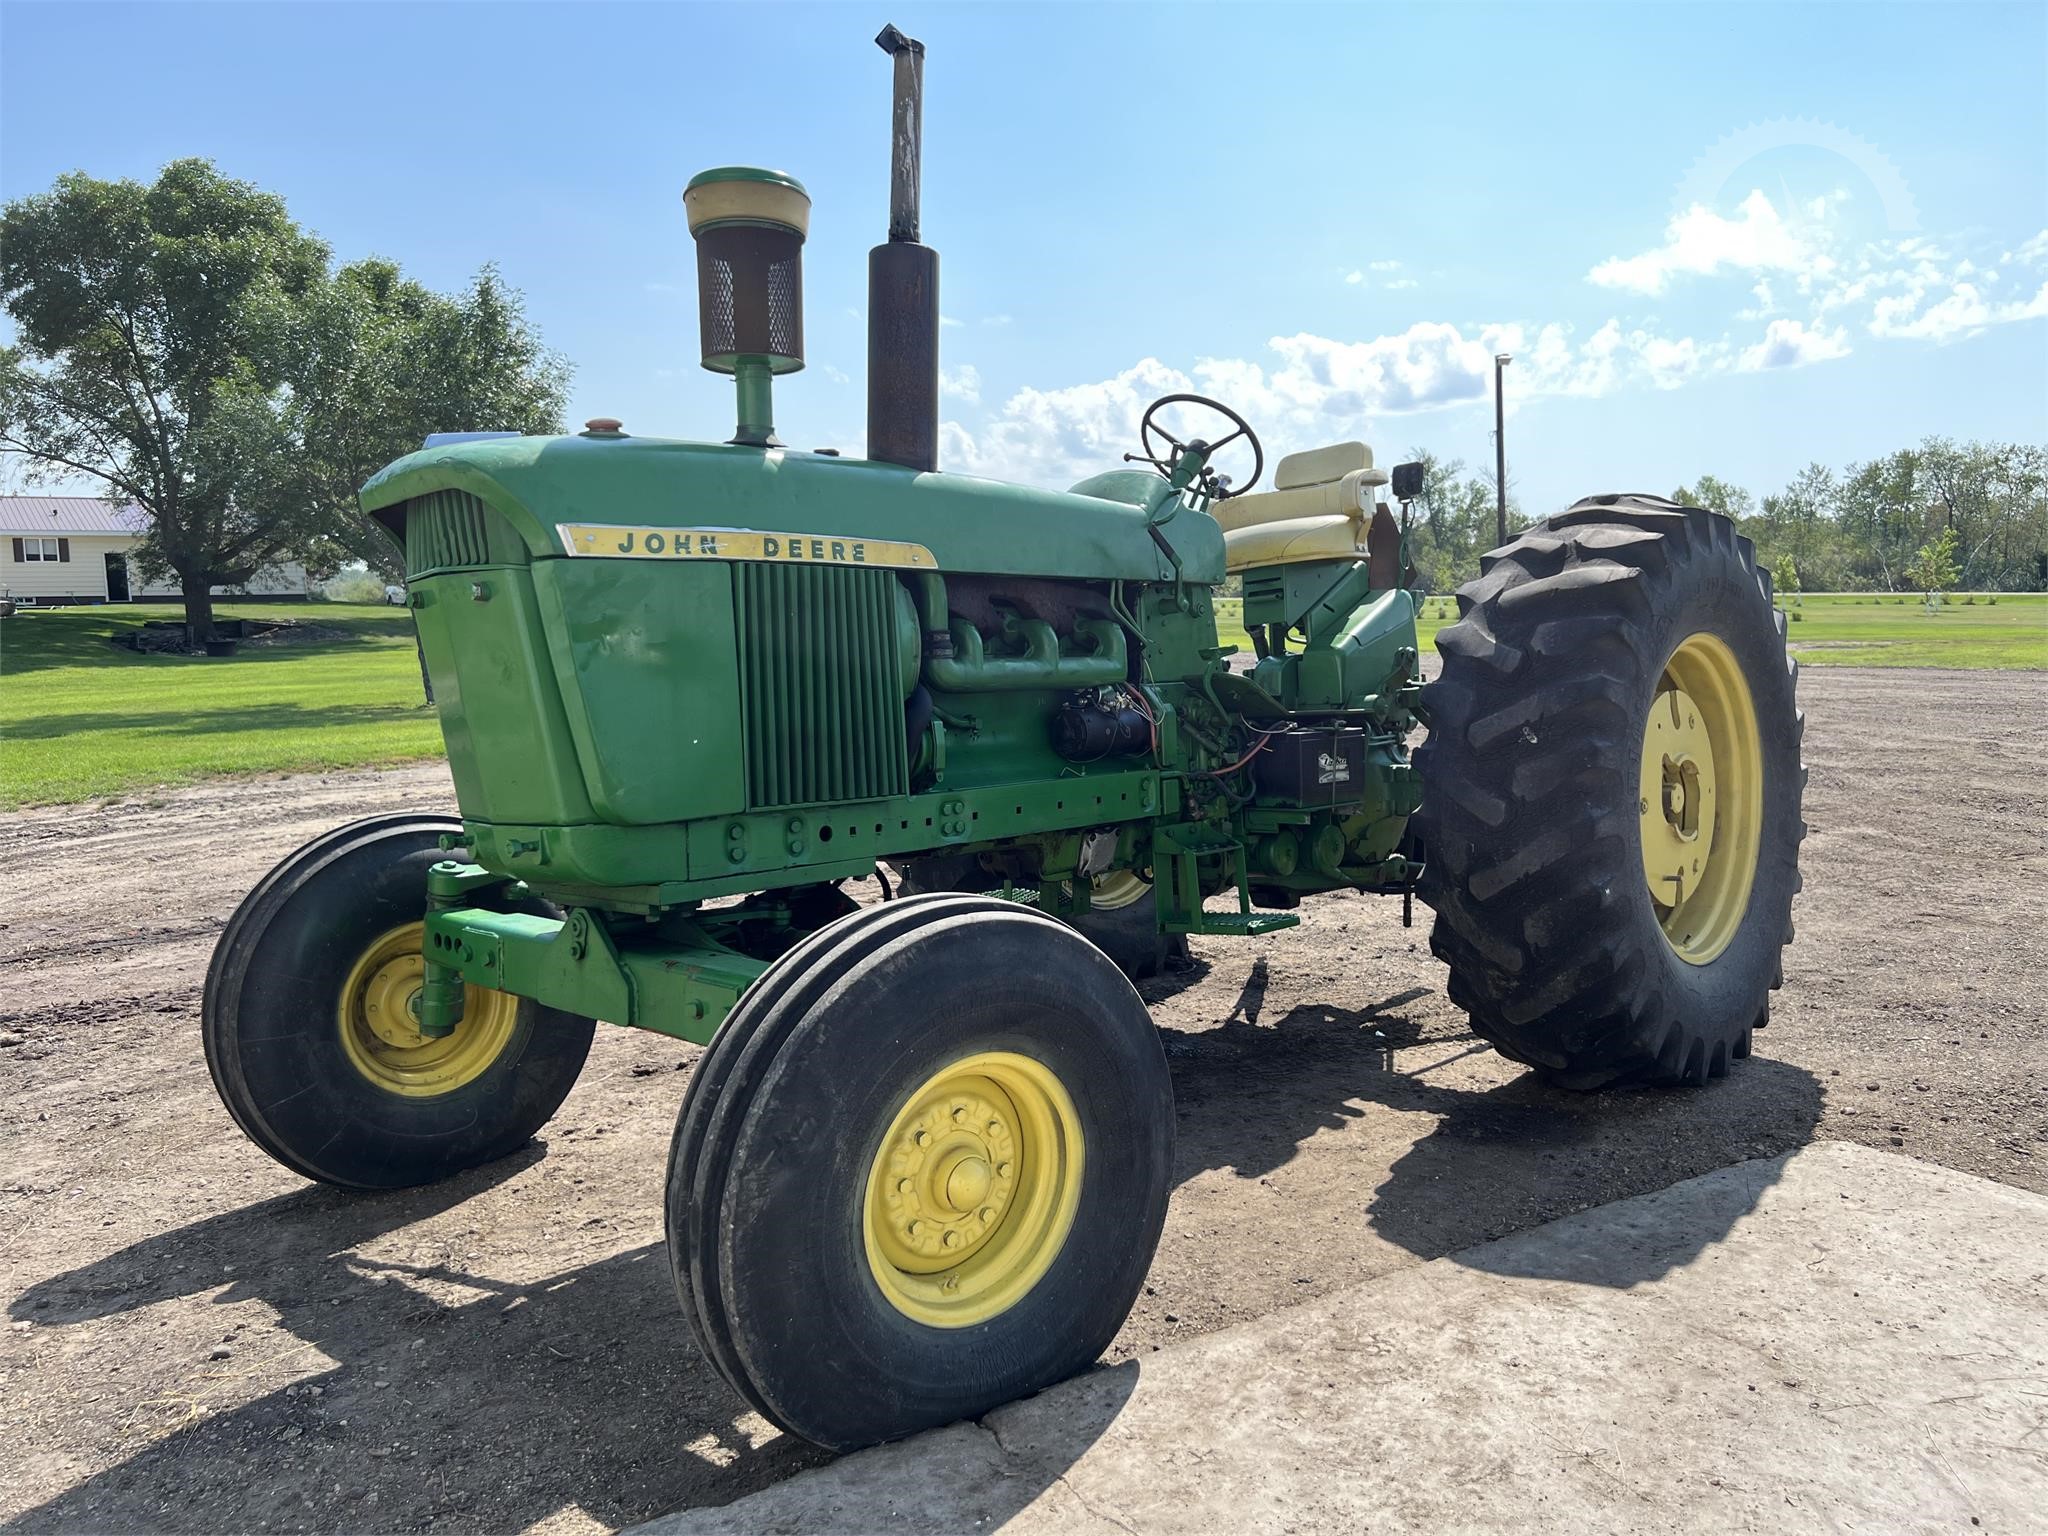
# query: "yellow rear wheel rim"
(973, 1191)
(1118, 889)
(379, 1020)
(1701, 803)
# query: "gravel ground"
(198, 1341)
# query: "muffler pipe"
(903, 288)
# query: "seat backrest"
(1320, 466)
(1320, 482)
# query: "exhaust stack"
(903, 289)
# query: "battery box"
(1320, 766)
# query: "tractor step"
(1241, 925)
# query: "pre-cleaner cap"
(749, 225)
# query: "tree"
(387, 361)
(1454, 525)
(1798, 524)
(1991, 497)
(1933, 569)
(1882, 519)
(153, 325)
(185, 344)
(1718, 495)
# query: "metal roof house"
(57, 550)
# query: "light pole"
(1500, 450)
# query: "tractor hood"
(566, 496)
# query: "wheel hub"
(954, 1172)
(973, 1189)
(1701, 797)
(1678, 797)
(391, 1002)
(378, 1014)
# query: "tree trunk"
(198, 593)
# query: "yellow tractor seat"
(1317, 510)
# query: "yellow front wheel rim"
(379, 1021)
(973, 1191)
(1701, 798)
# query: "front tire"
(306, 1023)
(1612, 783)
(921, 1171)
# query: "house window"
(42, 549)
(53, 550)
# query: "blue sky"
(1718, 238)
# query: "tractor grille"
(820, 684)
(450, 529)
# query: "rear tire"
(1616, 704)
(326, 935)
(851, 1272)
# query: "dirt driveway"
(198, 1341)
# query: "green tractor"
(691, 691)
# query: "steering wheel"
(1164, 462)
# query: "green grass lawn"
(81, 718)
(1850, 630)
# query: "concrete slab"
(1866, 1349)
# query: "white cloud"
(1915, 290)
(962, 383)
(1963, 310)
(1911, 288)
(1699, 242)
(838, 375)
(947, 321)
(1056, 436)
(1364, 275)
(2033, 250)
(996, 320)
(1789, 344)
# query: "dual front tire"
(921, 1171)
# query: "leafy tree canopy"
(189, 346)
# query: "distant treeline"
(1974, 513)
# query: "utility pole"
(1500, 450)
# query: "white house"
(75, 549)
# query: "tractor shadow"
(481, 1405)
(1253, 1090)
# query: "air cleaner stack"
(749, 226)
